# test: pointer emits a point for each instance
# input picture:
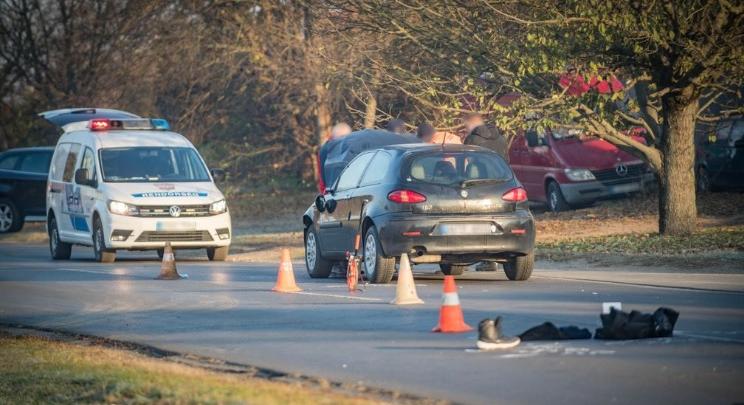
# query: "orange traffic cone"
(450, 313)
(405, 291)
(285, 281)
(168, 269)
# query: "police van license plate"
(175, 226)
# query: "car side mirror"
(82, 177)
(218, 174)
(320, 203)
(330, 205)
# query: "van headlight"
(218, 207)
(579, 174)
(120, 208)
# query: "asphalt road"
(227, 311)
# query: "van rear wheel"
(59, 250)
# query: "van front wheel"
(217, 254)
(556, 202)
(102, 254)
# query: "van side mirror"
(218, 174)
(532, 139)
(320, 203)
(82, 177)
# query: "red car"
(566, 169)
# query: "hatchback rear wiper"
(472, 182)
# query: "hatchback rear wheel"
(378, 268)
(520, 268)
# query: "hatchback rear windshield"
(152, 164)
(458, 168)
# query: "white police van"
(118, 181)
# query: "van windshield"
(459, 168)
(152, 164)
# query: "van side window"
(88, 162)
(58, 161)
(72, 157)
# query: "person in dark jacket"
(397, 126)
(425, 132)
(481, 134)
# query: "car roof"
(31, 149)
(127, 138)
(65, 116)
(433, 147)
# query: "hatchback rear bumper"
(458, 238)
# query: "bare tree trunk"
(370, 113)
(323, 119)
(677, 206)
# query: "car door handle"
(51, 190)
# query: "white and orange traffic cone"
(450, 313)
(285, 280)
(168, 269)
(405, 291)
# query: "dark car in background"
(452, 205)
(23, 181)
(719, 154)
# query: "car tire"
(11, 219)
(217, 254)
(452, 269)
(556, 202)
(58, 249)
(101, 253)
(378, 268)
(317, 266)
(520, 268)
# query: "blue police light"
(159, 123)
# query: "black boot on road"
(491, 338)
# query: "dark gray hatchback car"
(452, 205)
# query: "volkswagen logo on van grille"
(175, 211)
(621, 170)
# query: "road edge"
(219, 366)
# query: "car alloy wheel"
(310, 250)
(370, 254)
(6, 217)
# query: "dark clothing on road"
(490, 138)
(620, 325)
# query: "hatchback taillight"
(515, 195)
(406, 197)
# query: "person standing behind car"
(480, 134)
(338, 131)
(425, 132)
